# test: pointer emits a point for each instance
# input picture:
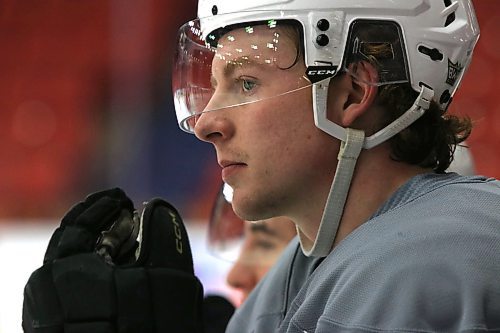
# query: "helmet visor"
(234, 67)
(226, 229)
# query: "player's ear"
(361, 91)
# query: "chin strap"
(348, 155)
(352, 143)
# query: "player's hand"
(107, 270)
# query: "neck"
(375, 179)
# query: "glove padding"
(147, 287)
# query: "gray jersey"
(427, 261)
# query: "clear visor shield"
(232, 68)
(226, 229)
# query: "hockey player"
(333, 113)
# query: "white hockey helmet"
(437, 40)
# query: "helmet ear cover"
(380, 43)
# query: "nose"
(213, 126)
(213, 123)
(242, 277)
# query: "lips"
(230, 169)
(223, 164)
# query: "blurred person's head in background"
(253, 247)
(263, 243)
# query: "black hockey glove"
(107, 271)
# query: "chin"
(251, 213)
(243, 213)
(245, 210)
(251, 207)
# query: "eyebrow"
(241, 61)
(230, 66)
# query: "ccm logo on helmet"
(321, 72)
(318, 73)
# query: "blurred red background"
(80, 80)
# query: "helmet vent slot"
(451, 17)
(434, 54)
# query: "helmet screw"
(323, 25)
(215, 10)
(445, 97)
(322, 40)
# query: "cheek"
(286, 120)
(285, 138)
